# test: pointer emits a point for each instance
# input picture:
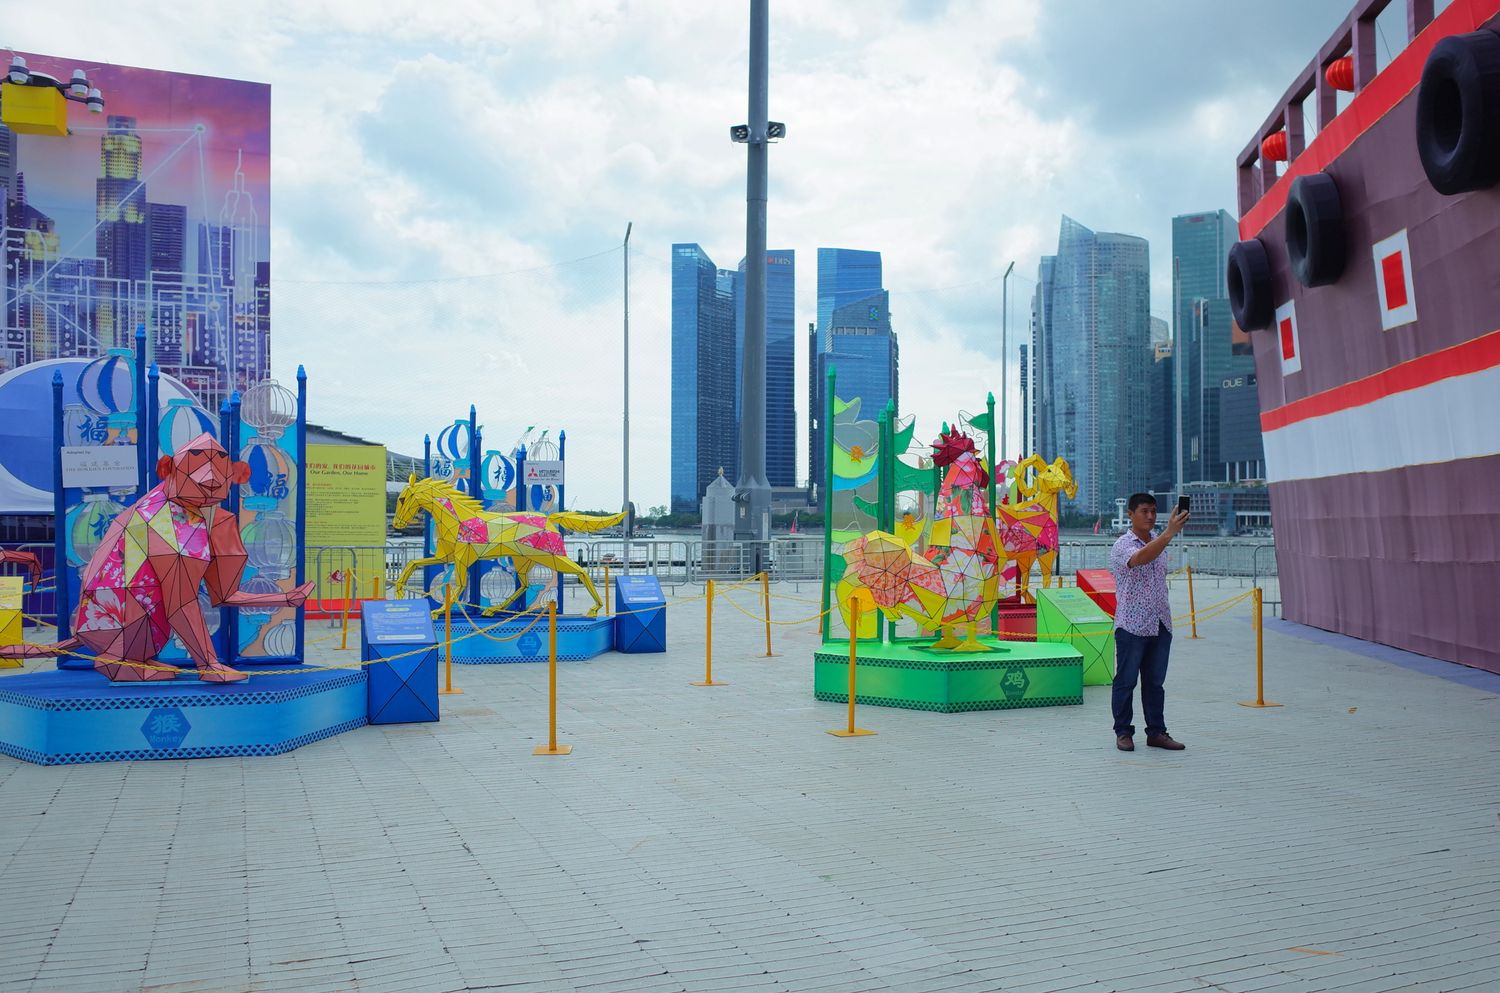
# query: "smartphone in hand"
(1182, 504)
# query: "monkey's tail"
(27, 651)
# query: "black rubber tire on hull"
(1249, 279)
(1458, 113)
(1315, 230)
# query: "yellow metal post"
(448, 689)
(1192, 602)
(552, 747)
(1260, 659)
(854, 608)
(348, 591)
(708, 644)
(765, 600)
(375, 588)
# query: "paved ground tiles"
(717, 839)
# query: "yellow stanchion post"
(1260, 659)
(708, 644)
(1192, 602)
(375, 588)
(552, 747)
(765, 600)
(607, 608)
(348, 592)
(448, 688)
(854, 610)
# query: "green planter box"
(1068, 616)
(907, 674)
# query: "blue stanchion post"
(138, 405)
(301, 566)
(523, 601)
(562, 458)
(232, 640)
(61, 573)
(151, 429)
(476, 470)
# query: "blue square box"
(399, 645)
(640, 615)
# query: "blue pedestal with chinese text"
(60, 717)
(399, 644)
(640, 615)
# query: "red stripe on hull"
(1471, 356)
(1409, 558)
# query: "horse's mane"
(461, 501)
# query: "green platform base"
(908, 674)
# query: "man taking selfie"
(1143, 621)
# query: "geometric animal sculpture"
(30, 561)
(956, 581)
(141, 586)
(467, 533)
(1029, 530)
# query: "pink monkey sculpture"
(141, 586)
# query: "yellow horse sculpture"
(466, 533)
(1028, 530)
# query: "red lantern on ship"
(1273, 148)
(1340, 74)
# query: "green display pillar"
(1067, 616)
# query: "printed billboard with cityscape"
(155, 214)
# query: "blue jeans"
(1146, 659)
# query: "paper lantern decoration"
(260, 583)
(272, 474)
(183, 421)
(269, 407)
(107, 384)
(281, 639)
(497, 475)
(453, 442)
(271, 544)
(86, 525)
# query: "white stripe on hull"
(1454, 418)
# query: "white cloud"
(413, 141)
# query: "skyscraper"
(853, 335)
(1093, 384)
(1213, 349)
(121, 238)
(705, 433)
(781, 363)
(708, 336)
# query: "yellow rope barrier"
(1210, 612)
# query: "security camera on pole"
(752, 494)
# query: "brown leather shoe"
(1125, 743)
(1164, 741)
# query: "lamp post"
(752, 491)
(1177, 359)
(1004, 357)
(629, 513)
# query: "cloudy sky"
(451, 181)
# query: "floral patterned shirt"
(1140, 591)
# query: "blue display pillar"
(640, 615)
(399, 646)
